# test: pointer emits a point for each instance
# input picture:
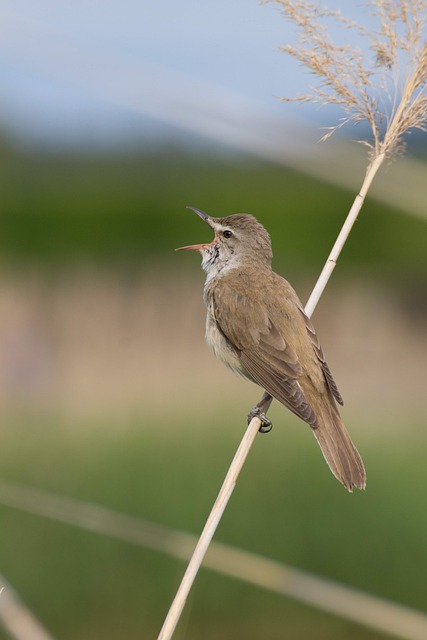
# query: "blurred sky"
(101, 73)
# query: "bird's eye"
(227, 233)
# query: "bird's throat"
(210, 257)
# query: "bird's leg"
(259, 411)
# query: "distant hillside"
(131, 208)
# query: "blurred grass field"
(286, 506)
(108, 394)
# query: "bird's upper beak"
(200, 247)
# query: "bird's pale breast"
(221, 347)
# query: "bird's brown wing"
(264, 352)
(321, 357)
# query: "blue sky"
(101, 72)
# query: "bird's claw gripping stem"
(266, 424)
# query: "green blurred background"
(114, 117)
(109, 394)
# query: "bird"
(256, 325)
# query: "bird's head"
(239, 239)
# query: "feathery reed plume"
(381, 81)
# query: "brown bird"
(256, 325)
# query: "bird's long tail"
(337, 447)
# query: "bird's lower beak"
(199, 247)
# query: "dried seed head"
(382, 83)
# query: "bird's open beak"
(199, 247)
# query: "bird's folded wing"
(264, 353)
(286, 390)
(321, 357)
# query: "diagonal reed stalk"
(399, 52)
(248, 439)
(331, 262)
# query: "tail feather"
(338, 449)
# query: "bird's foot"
(266, 424)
